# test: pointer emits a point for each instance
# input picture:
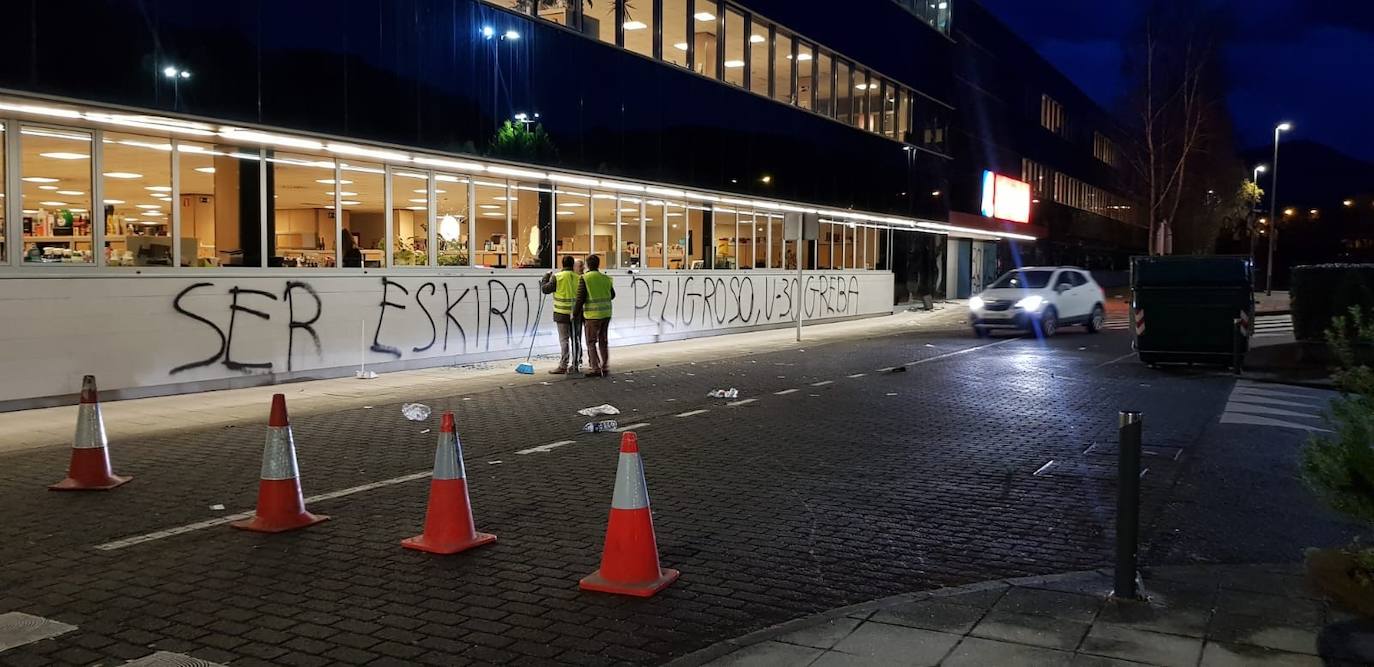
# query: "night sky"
(1307, 61)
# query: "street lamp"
(1273, 209)
(1259, 169)
(1254, 178)
(176, 74)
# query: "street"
(835, 478)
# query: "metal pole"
(1273, 218)
(800, 224)
(1127, 505)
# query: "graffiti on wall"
(690, 302)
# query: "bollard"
(1127, 506)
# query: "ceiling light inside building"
(158, 188)
(732, 64)
(635, 25)
(149, 206)
(65, 156)
(114, 201)
(42, 179)
(126, 175)
(206, 170)
(704, 16)
(341, 194)
(757, 39)
(47, 187)
(53, 203)
(330, 181)
(681, 46)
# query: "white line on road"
(784, 392)
(956, 353)
(631, 427)
(882, 370)
(692, 413)
(744, 401)
(546, 448)
(1124, 356)
(822, 383)
(220, 521)
(856, 375)
(1041, 470)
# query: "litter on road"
(416, 412)
(601, 426)
(724, 393)
(217, 508)
(598, 410)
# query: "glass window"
(844, 93)
(675, 217)
(631, 232)
(889, 98)
(874, 108)
(212, 215)
(782, 67)
(409, 218)
(56, 169)
(806, 75)
(775, 240)
(524, 219)
(903, 113)
(694, 238)
(704, 37)
(491, 206)
(758, 57)
(598, 20)
(675, 27)
(557, 12)
(451, 219)
(302, 212)
(639, 27)
(573, 224)
(860, 99)
(654, 251)
(522, 6)
(137, 212)
(364, 214)
(749, 241)
(736, 40)
(1033, 279)
(724, 230)
(605, 229)
(4, 230)
(825, 89)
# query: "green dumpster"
(1192, 309)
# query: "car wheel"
(1096, 319)
(980, 332)
(1048, 323)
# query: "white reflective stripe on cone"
(279, 456)
(90, 427)
(448, 458)
(630, 490)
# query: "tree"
(523, 141)
(1183, 145)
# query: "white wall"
(159, 334)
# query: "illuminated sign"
(1006, 198)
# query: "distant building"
(1019, 117)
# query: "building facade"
(238, 193)
(1019, 117)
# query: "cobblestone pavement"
(832, 481)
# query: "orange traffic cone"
(448, 519)
(629, 561)
(280, 505)
(90, 466)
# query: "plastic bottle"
(601, 426)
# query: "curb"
(724, 648)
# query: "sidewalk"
(1208, 615)
(1272, 304)
(52, 427)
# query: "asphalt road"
(831, 481)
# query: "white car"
(1042, 298)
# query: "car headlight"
(975, 303)
(1032, 302)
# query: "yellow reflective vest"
(598, 305)
(565, 292)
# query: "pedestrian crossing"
(1272, 326)
(1276, 405)
(1117, 323)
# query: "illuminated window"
(55, 165)
(806, 74)
(1051, 115)
(844, 93)
(707, 50)
(783, 79)
(1104, 149)
(598, 20)
(676, 24)
(736, 47)
(409, 218)
(639, 27)
(302, 213)
(137, 213)
(825, 88)
(759, 64)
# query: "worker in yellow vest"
(594, 298)
(564, 286)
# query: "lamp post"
(176, 74)
(1273, 209)
(1254, 213)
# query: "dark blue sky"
(1308, 61)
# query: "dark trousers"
(598, 345)
(570, 342)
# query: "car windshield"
(1023, 280)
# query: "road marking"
(692, 413)
(169, 659)
(546, 448)
(784, 392)
(883, 370)
(1124, 356)
(959, 352)
(1041, 470)
(745, 401)
(822, 383)
(631, 427)
(856, 375)
(220, 521)
(18, 629)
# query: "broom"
(527, 368)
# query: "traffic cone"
(629, 561)
(90, 466)
(280, 505)
(448, 519)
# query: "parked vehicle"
(1042, 298)
(1194, 309)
